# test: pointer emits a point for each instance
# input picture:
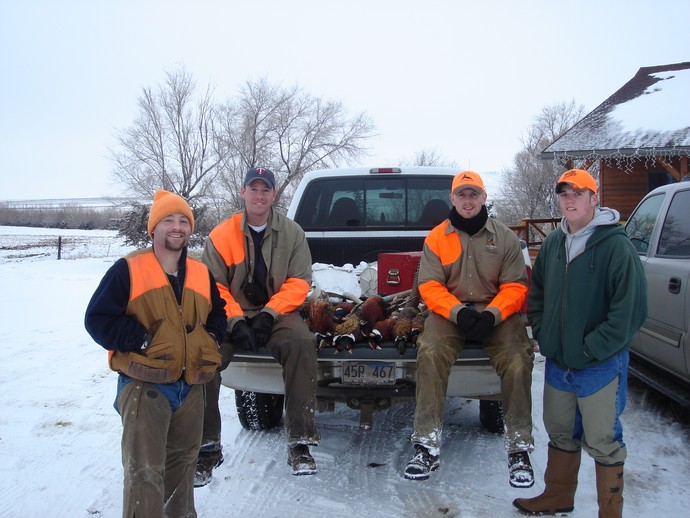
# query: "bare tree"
(528, 186)
(188, 146)
(429, 157)
(288, 131)
(172, 144)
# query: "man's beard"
(175, 245)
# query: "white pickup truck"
(349, 216)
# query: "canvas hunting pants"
(293, 346)
(159, 450)
(582, 408)
(512, 357)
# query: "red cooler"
(396, 271)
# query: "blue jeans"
(176, 392)
(582, 408)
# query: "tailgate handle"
(674, 285)
(393, 277)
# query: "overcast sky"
(462, 78)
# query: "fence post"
(59, 247)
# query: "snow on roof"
(649, 115)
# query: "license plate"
(368, 373)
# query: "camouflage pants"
(511, 355)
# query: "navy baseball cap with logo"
(260, 173)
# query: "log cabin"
(636, 140)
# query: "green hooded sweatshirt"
(585, 310)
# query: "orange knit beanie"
(166, 203)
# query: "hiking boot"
(204, 467)
(520, 469)
(301, 460)
(422, 464)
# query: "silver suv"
(660, 231)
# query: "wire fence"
(35, 246)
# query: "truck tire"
(258, 411)
(491, 415)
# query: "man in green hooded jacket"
(587, 299)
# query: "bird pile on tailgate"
(377, 319)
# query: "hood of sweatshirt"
(576, 242)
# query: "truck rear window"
(375, 203)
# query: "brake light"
(375, 170)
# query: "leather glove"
(226, 351)
(466, 319)
(262, 324)
(482, 328)
(242, 337)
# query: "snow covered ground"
(60, 437)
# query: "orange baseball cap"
(468, 179)
(577, 179)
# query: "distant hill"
(492, 182)
(92, 203)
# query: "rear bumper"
(471, 376)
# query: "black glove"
(483, 326)
(262, 324)
(242, 337)
(466, 319)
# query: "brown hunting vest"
(180, 344)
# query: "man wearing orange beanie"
(160, 315)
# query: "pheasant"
(402, 330)
(320, 321)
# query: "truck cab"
(353, 214)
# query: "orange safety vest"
(287, 258)
(498, 279)
(180, 343)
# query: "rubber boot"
(610, 490)
(560, 479)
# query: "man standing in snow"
(159, 313)
(262, 264)
(587, 300)
(472, 277)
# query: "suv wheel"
(258, 411)
(491, 415)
